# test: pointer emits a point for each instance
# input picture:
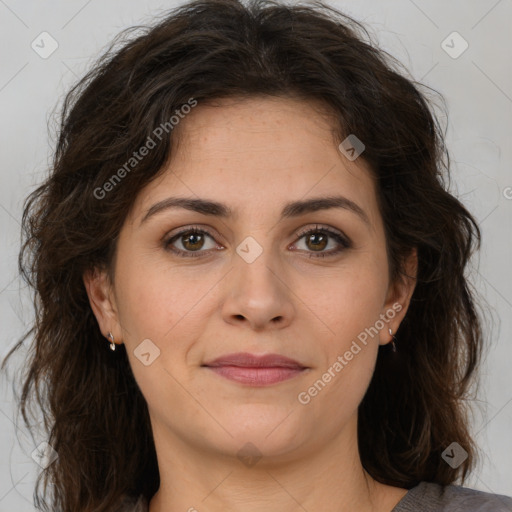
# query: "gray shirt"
(425, 497)
(429, 497)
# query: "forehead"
(259, 152)
(259, 124)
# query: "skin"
(255, 155)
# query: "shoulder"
(433, 497)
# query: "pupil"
(314, 239)
(190, 238)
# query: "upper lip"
(244, 359)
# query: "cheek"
(349, 301)
(152, 297)
(145, 305)
(352, 312)
(168, 306)
(349, 312)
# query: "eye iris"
(192, 239)
(314, 239)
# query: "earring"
(112, 344)
(393, 346)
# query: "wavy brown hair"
(94, 413)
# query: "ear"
(399, 296)
(102, 300)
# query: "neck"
(328, 477)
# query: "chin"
(272, 436)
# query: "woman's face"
(253, 283)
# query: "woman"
(250, 278)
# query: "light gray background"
(477, 86)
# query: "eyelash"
(344, 242)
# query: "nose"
(257, 295)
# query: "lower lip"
(256, 376)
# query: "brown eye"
(317, 241)
(192, 242)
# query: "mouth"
(256, 370)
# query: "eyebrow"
(290, 210)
